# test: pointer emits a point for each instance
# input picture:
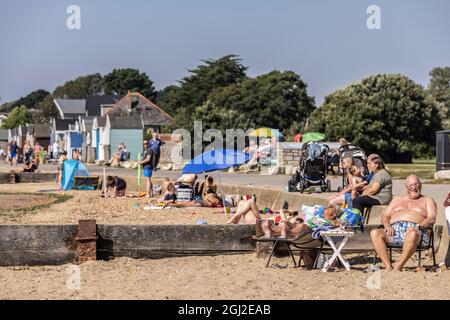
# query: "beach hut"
(3, 117)
(100, 141)
(59, 128)
(84, 125)
(135, 104)
(70, 108)
(126, 130)
(39, 133)
(98, 105)
(4, 138)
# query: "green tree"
(276, 100)
(388, 114)
(194, 89)
(30, 101)
(119, 81)
(166, 98)
(80, 87)
(18, 116)
(439, 88)
(46, 111)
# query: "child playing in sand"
(118, 185)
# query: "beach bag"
(352, 217)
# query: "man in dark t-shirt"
(155, 144)
(147, 163)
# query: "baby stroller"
(359, 159)
(313, 169)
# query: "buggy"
(312, 170)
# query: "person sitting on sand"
(246, 212)
(171, 196)
(118, 185)
(209, 201)
(208, 186)
(292, 226)
(402, 221)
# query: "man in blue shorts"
(147, 163)
(402, 221)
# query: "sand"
(218, 277)
(200, 277)
(89, 205)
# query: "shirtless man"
(401, 222)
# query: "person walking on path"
(13, 153)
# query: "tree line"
(387, 113)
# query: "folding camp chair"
(420, 247)
(303, 242)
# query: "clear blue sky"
(325, 41)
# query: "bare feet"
(395, 268)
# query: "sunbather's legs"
(336, 199)
(412, 240)
(187, 204)
(291, 229)
(245, 207)
(270, 231)
(379, 240)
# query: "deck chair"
(303, 242)
(431, 233)
(366, 214)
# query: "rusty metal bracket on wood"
(86, 239)
(13, 177)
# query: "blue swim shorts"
(400, 229)
(148, 172)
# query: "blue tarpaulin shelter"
(214, 160)
(72, 169)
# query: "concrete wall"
(288, 156)
(171, 156)
(53, 244)
(27, 177)
(35, 245)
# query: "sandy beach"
(217, 277)
(89, 205)
(241, 276)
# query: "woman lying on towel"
(210, 200)
(292, 226)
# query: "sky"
(327, 42)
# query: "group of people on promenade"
(29, 153)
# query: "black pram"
(313, 169)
